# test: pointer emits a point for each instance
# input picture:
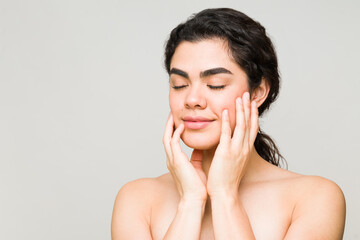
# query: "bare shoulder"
(138, 187)
(318, 204)
(308, 186)
(142, 191)
(317, 189)
(132, 208)
(319, 211)
(310, 191)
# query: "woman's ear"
(260, 93)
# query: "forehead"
(201, 55)
(195, 57)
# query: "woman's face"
(204, 80)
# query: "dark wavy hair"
(250, 47)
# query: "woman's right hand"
(188, 176)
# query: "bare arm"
(131, 214)
(230, 219)
(131, 207)
(320, 214)
(187, 222)
(190, 180)
(320, 210)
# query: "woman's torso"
(269, 203)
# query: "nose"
(195, 98)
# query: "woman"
(223, 75)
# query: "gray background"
(83, 103)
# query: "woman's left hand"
(232, 154)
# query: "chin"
(200, 140)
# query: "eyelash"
(216, 87)
(210, 86)
(178, 87)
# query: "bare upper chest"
(269, 209)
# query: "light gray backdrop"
(83, 103)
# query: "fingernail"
(239, 100)
(247, 95)
(225, 113)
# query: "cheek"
(228, 104)
(232, 115)
(175, 109)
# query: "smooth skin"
(226, 190)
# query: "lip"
(196, 119)
(196, 122)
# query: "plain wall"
(84, 101)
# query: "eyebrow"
(206, 73)
(214, 71)
(179, 72)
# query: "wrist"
(195, 198)
(224, 195)
(191, 204)
(225, 201)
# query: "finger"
(175, 141)
(246, 100)
(225, 128)
(169, 129)
(254, 122)
(239, 132)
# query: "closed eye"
(210, 86)
(216, 87)
(178, 87)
